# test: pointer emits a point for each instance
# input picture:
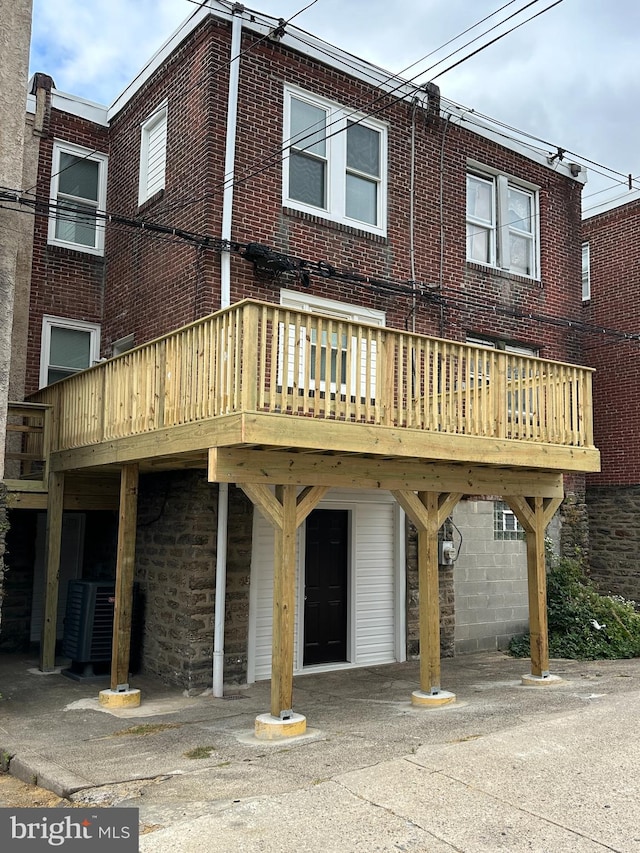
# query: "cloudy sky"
(569, 76)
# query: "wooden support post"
(284, 592)
(125, 565)
(286, 511)
(428, 587)
(428, 511)
(53, 542)
(537, 582)
(534, 514)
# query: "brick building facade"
(423, 220)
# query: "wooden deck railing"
(256, 357)
(27, 442)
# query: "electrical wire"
(453, 299)
(359, 113)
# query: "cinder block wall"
(490, 582)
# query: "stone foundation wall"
(175, 570)
(614, 548)
(447, 601)
(574, 518)
(4, 526)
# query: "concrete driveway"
(506, 767)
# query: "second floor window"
(78, 194)
(586, 272)
(502, 224)
(153, 155)
(336, 164)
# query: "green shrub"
(583, 624)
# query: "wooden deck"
(288, 404)
(260, 376)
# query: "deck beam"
(265, 467)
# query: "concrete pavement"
(506, 768)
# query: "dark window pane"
(362, 200)
(308, 127)
(55, 374)
(307, 180)
(363, 149)
(78, 177)
(70, 348)
(75, 223)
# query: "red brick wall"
(614, 240)
(64, 282)
(155, 284)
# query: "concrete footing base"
(119, 698)
(541, 680)
(432, 700)
(272, 728)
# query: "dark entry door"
(326, 569)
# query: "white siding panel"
(375, 585)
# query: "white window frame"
(586, 272)
(506, 521)
(147, 129)
(49, 322)
(498, 227)
(337, 119)
(61, 147)
(336, 310)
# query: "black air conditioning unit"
(88, 628)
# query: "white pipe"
(225, 301)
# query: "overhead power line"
(359, 112)
(270, 265)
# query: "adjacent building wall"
(613, 496)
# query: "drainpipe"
(225, 301)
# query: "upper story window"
(153, 154)
(336, 166)
(502, 223)
(67, 346)
(78, 193)
(586, 272)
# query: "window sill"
(149, 202)
(74, 249)
(501, 273)
(318, 219)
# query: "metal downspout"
(225, 301)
